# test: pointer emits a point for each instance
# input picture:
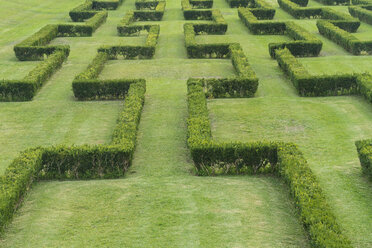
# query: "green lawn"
(160, 203)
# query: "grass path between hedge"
(160, 203)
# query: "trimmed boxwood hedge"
(36, 46)
(283, 159)
(219, 25)
(25, 89)
(77, 162)
(311, 85)
(363, 13)
(126, 26)
(364, 82)
(364, 148)
(196, 4)
(343, 38)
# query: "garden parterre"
(326, 234)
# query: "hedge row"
(83, 162)
(219, 25)
(364, 82)
(364, 148)
(362, 13)
(344, 38)
(196, 4)
(283, 159)
(244, 85)
(301, 11)
(90, 8)
(146, 4)
(334, 2)
(310, 85)
(146, 51)
(126, 27)
(87, 86)
(238, 3)
(36, 46)
(195, 50)
(105, 4)
(26, 88)
(304, 44)
(255, 26)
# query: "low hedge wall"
(36, 46)
(283, 159)
(126, 27)
(26, 88)
(343, 38)
(364, 148)
(310, 85)
(77, 162)
(362, 13)
(219, 25)
(364, 82)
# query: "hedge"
(105, 4)
(87, 86)
(196, 4)
(238, 3)
(300, 11)
(364, 82)
(126, 27)
(77, 162)
(90, 8)
(131, 51)
(364, 148)
(334, 2)
(362, 13)
(282, 159)
(343, 38)
(26, 88)
(219, 25)
(36, 46)
(319, 85)
(304, 44)
(260, 27)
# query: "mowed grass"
(160, 203)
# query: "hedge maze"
(210, 156)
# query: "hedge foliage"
(219, 25)
(196, 4)
(77, 162)
(364, 82)
(90, 8)
(126, 26)
(25, 89)
(282, 159)
(238, 3)
(364, 13)
(36, 46)
(257, 22)
(304, 44)
(343, 38)
(315, 85)
(87, 86)
(334, 2)
(364, 148)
